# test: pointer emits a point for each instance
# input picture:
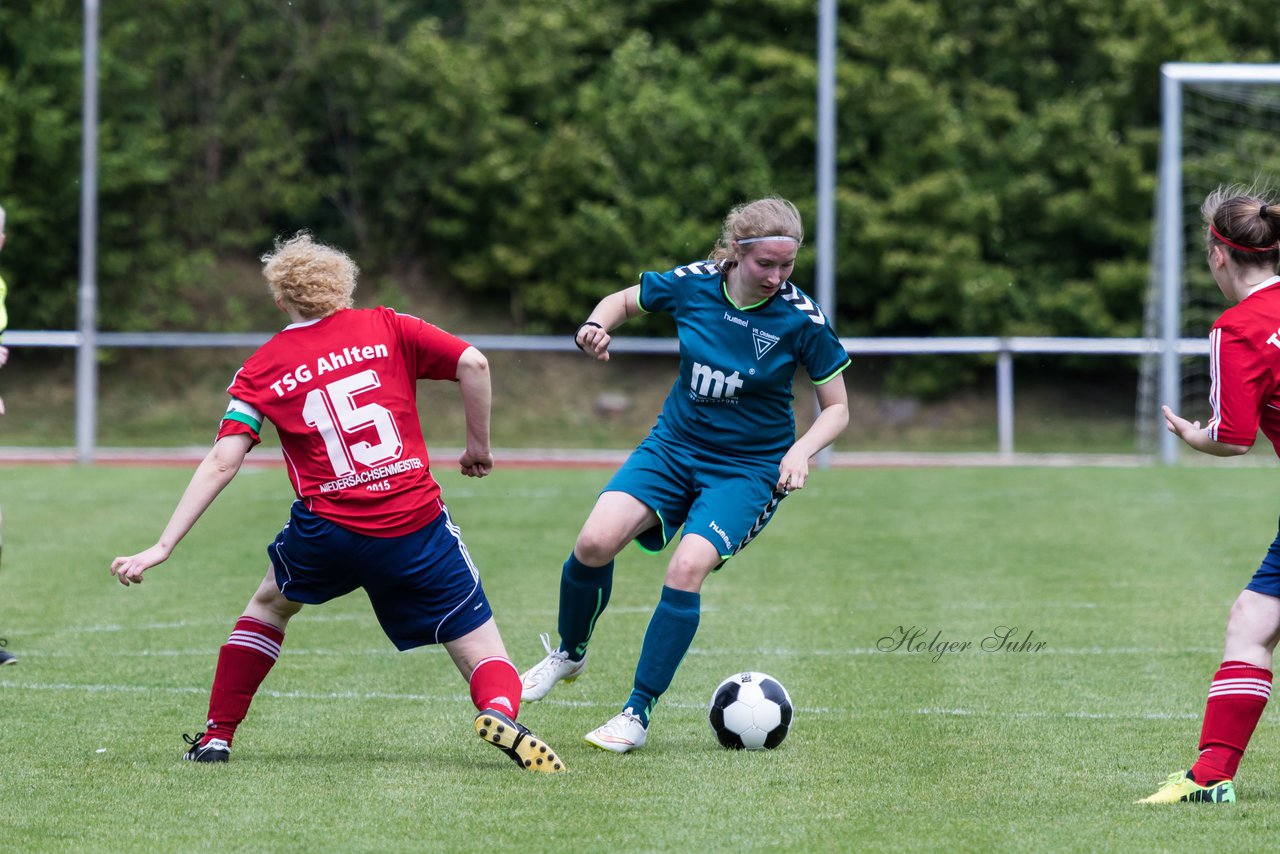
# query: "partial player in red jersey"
(1242, 237)
(6, 657)
(339, 385)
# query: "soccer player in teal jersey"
(722, 454)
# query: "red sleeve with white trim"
(1242, 385)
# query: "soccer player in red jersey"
(1242, 239)
(6, 657)
(339, 385)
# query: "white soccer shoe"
(623, 732)
(538, 680)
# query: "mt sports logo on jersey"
(708, 384)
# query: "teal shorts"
(726, 501)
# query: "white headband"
(771, 237)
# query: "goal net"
(1221, 125)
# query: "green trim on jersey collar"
(724, 289)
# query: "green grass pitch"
(1122, 576)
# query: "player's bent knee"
(687, 574)
(1253, 625)
(1239, 612)
(1251, 608)
(689, 583)
(269, 598)
(595, 549)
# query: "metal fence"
(1004, 349)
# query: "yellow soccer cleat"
(1181, 786)
(515, 740)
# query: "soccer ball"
(750, 711)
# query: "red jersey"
(1244, 364)
(341, 392)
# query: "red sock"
(495, 684)
(243, 662)
(1237, 696)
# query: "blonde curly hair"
(314, 279)
(770, 216)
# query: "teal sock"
(584, 593)
(670, 633)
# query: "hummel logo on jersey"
(764, 342)
(697, 268)
(763, 519)
(792, 294)
(720, 532)
(708, 382)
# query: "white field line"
(211, 652)
(781, 652)
(762, 651)
(9, 684)
(315, 615)
(227, 621)
(308, 615)
(567, 458)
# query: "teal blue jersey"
(733, 395)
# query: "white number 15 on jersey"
(333, 411)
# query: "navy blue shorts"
(423, 586)
(726, 501)
(1267, 579)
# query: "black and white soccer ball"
(750, 711)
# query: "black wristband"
(579, 331)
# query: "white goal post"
(1256, 88)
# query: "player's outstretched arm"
(1198, 437)
(477, 398)
(211, 476)
(611, 312)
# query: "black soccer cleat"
(515, 740)
(216, 750)
(6, 657)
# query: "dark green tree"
(995, 159)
